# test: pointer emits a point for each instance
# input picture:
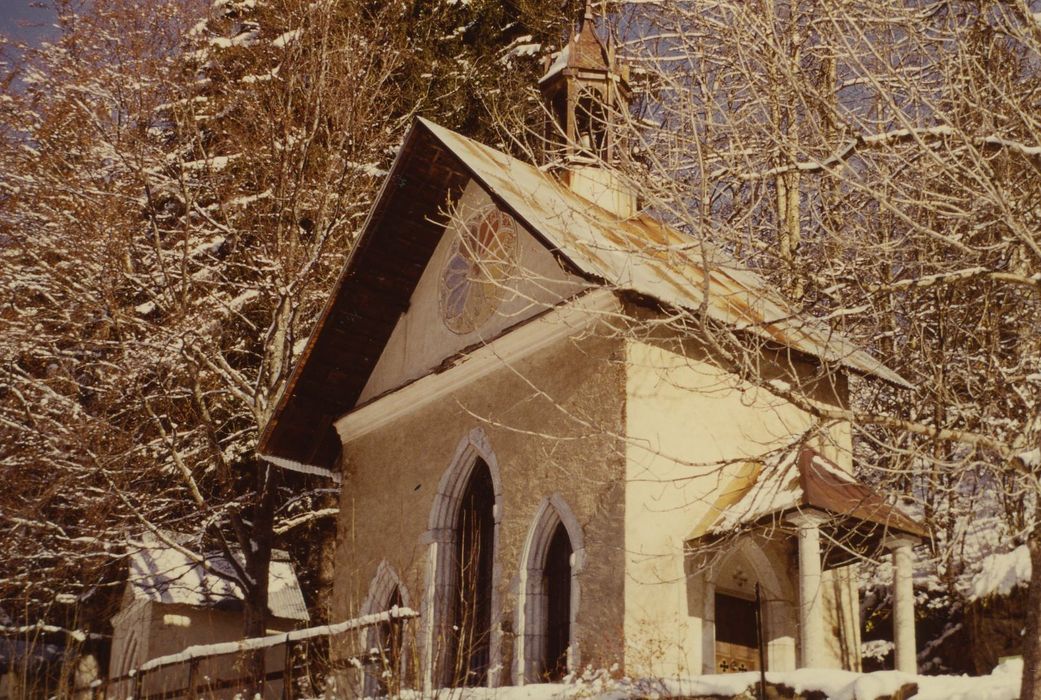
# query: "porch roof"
(800, 479)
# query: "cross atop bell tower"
(585, 91)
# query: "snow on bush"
(1000, 573)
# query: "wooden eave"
(371, 293)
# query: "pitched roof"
(584, 51)
(637, 254)
(799, 479)
(646, 256)
(162, 574)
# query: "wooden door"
(737, 649)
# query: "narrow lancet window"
(472, 623)
(557, 585)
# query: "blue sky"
(14, 12)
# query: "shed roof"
(162, 574)
(637, 254)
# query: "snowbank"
(1002, 684)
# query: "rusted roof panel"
(826, 487)
(650, 258)
(639, 255)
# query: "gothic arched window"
(390, 639)
(546, 648)
(557, 586)
(474, 557)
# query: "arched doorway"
(472, 571)
(731, 609)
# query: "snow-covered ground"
(1002, 684)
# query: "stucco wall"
(552, 422)
(639, 437)
(691, 425)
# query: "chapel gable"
(487, 276)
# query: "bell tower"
(585, 92)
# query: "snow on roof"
(162, 574)
(653, 259)
(776, 488)
(584, 50)
(559, 64)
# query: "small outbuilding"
(172, 602)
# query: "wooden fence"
(296, 665)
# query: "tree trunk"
(1031, 688)
(258, 564)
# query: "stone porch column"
(811, 608)
(903, 604)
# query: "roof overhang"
(395, 245)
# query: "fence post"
(135, 683)
(287, 671)
(193, 678)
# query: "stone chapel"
(542, 454)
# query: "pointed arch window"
(547, 647)
(472, 600)
(386, 643)
(556, 577)
(460, 644)
(390, 641)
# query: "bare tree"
(878, 161)
(170, 249)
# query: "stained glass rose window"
(475, 274)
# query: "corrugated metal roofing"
(645, 256)
(163, 574)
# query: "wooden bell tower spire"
(584, 90)
(586, 93)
